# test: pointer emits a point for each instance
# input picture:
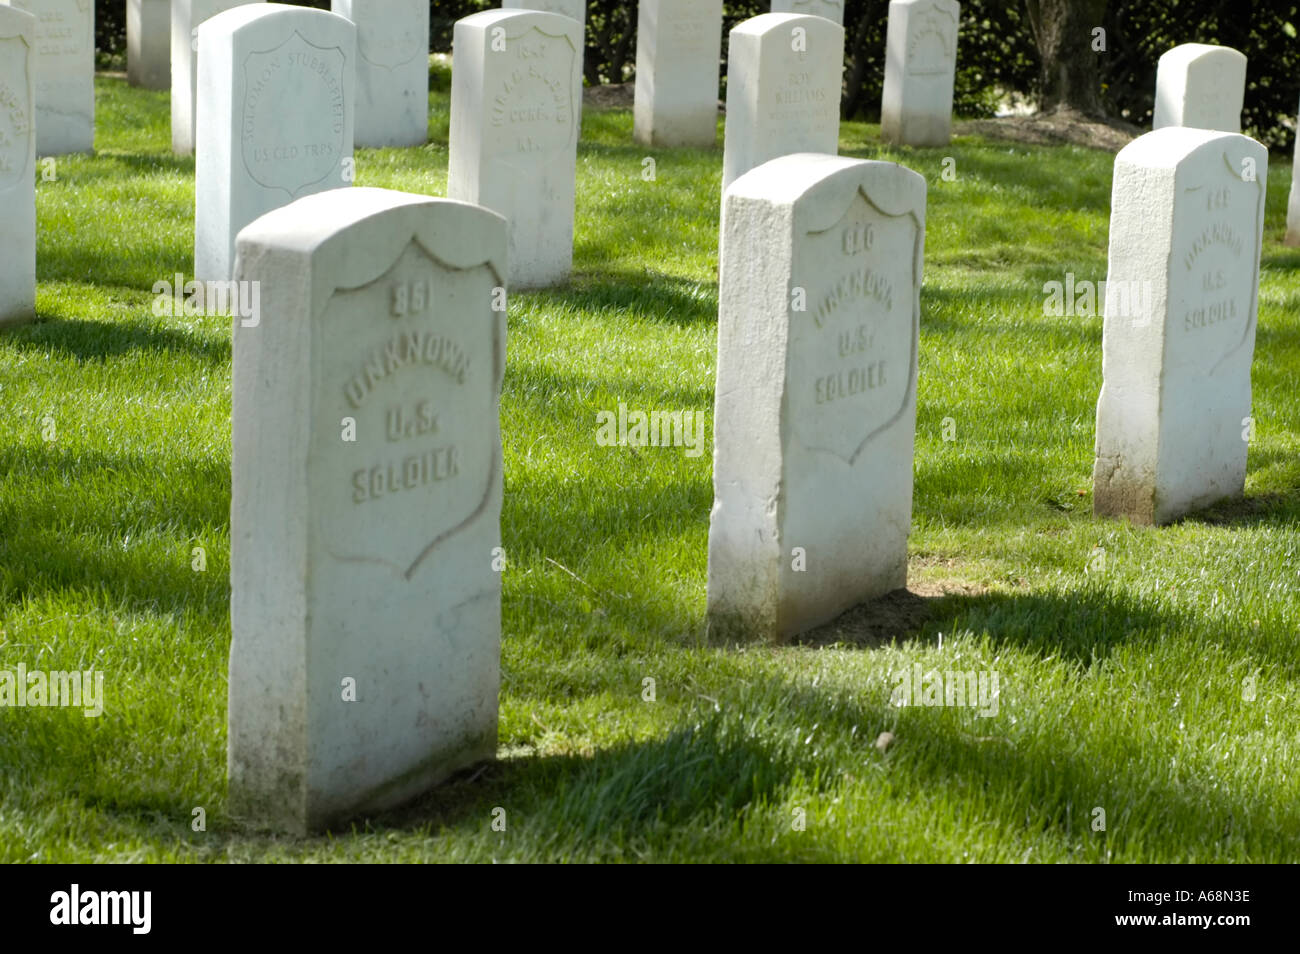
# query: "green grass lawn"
(1122, 652)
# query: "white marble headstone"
(1201, 86)
(275, 118)
(920, 68)
(148, 43)
(784, 80)
(830, 9)
(516, 112)
(186, 15)
(1293, 203)
(65, 75)
(1173, 419)
(365, 511)
(17, 165)
(678, 59)
(574, 9)
(815, 417)
(392, 70)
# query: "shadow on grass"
(136, 162)
(1032, 177)
(1257, 510)
(1019, 308)
(54, 333)
(1283, 259)
(56, 540)
(1081, 625)
(663, 298)
(719, 785)
(694, 776)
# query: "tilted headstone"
(392, 70)
(274, 119)
(65, 75)
(678, 59)
(516, 111)
(149, 43)
(815, 417)
(365, 511)
(574, 9)
(1174, 416)
(1201, 86)
(17, 165)
(920, 67)
(186, 15)
(784, 79)
(830, 9)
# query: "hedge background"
(996, 52)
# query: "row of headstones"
(677, 60)
(365, 609)
(678, 44)
(274, 104)
(366, 603)
(785, 69)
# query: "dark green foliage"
(996, 50)
(1265, 30)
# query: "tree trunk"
(1063, 32)
(858, 70)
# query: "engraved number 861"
(410, 298)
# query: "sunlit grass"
(1122, 689)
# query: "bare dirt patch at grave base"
(892, 617)
(1063, 127)
(616, 96)
(610, 96)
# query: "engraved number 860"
(858, 238)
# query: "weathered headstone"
(1174, 416)
(186, 15)
(365, 508)
(17, 165)
(516, 109)
(920, 67)
(1201, 86)
(274, 119)
(815, 417)
(784, 77)
(830, 9)
(392, 70)
(65, 74)
(678, 59)
(148, 43)
(574, 9)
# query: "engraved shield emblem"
(412, 359)
(16, 129)
(302, 151)
(852, 351)
(1214, 267)
(386, 46)
(931, 49)
(532, 111)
